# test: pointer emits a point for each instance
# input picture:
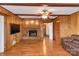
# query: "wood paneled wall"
(68, 25)
(56, 30)
(65, 26)
(75, 23)
(11, 37)
(10, 18)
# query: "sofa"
(71, 44)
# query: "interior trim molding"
(40, 15)
(41, 4)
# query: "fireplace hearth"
(32, 33)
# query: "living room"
(60, 27)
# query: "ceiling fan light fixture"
(44, 16)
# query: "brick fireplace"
(33, 30)
(32, 33)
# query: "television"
(14, 28)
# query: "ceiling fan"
(45, 13)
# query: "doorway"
(1, 33)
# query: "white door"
(50, 30)
(1, 33)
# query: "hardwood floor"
(43, 47)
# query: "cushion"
(75, 37)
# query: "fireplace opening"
(32, 33)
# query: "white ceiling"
(38, 9)
(51, 17)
